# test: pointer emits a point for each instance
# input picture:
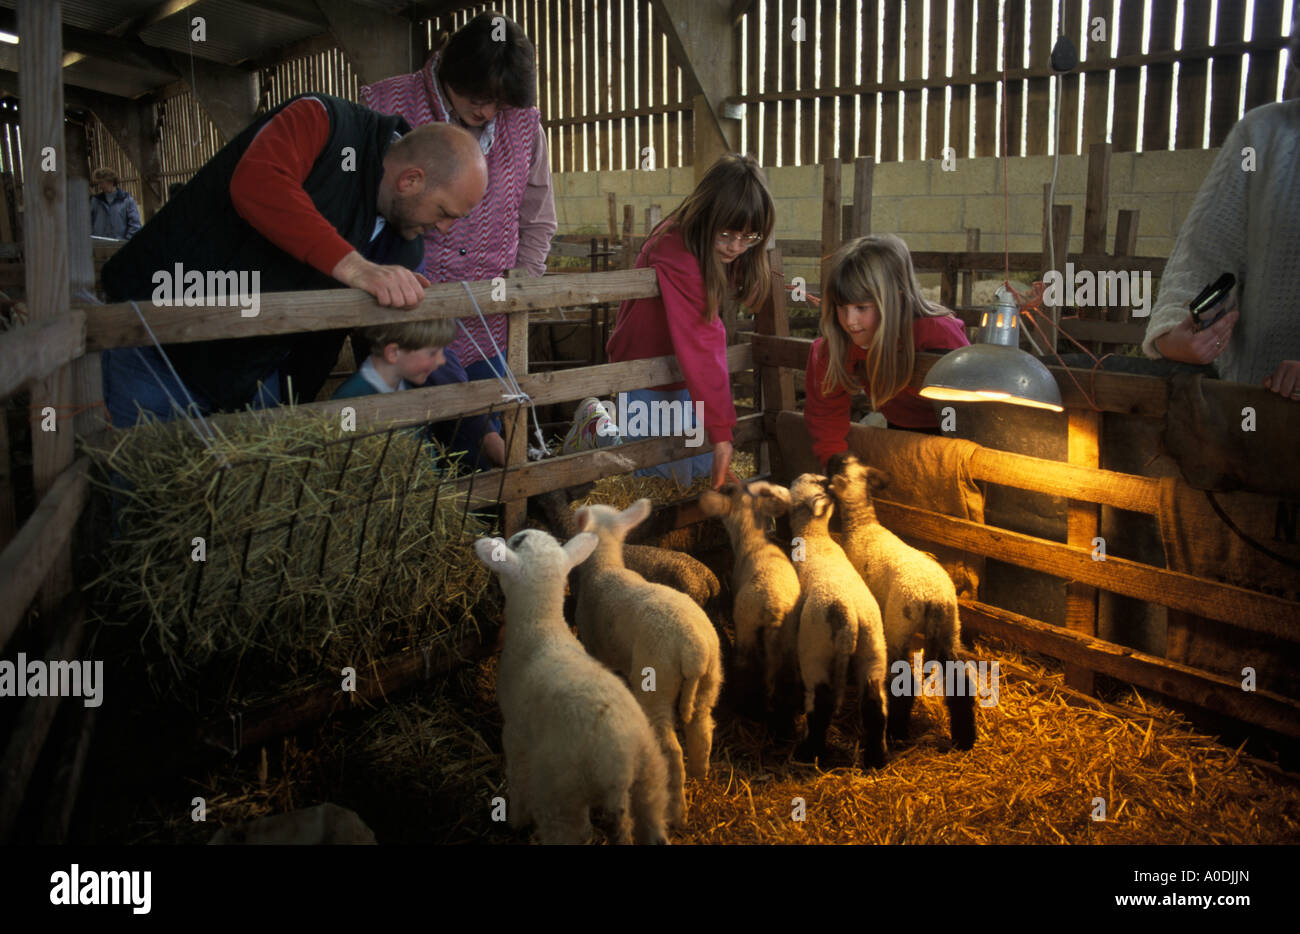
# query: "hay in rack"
(322, 549)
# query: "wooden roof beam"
(378, 44)
(130, 53)
(699, 34)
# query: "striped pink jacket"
(481, 245)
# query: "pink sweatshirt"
(674, 324)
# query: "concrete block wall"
(928, 207)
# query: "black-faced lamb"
(915, 593)
(658, 638)
(574, 736)
(839, 625)
(764, 585)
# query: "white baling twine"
(207, 436)
(513, 391)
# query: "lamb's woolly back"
(646, 630)
(574, 736)
(915, 593)
(840, 620)
(764, 582)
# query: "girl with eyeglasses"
(708, 249)
(873, 321)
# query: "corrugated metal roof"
(98, 15)
(234, 30)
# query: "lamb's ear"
(877, 480)
(579, 548)
(821, 505)
(635, 514)
(582, 520)
(772, 500)
(715, 502)
(497, 556)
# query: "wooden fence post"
(1082, 520)
(831, 186)
(517, 434)
(775, 384)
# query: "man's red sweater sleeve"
(267, 191)
(701, 347)
(826, 417)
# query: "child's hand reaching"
(722, 454)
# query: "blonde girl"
(873, 321)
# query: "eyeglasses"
(729, 237)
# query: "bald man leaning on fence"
(318, 193)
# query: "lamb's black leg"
(819, 722)
(961, 715)
(873, 724)
(901, 697)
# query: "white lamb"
(574, 736)
(764, 582)
(839, 624)
(657, 638)
(915, 594)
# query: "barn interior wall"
(928, 207)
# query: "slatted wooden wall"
(608, 89)
(903, 79)
(189, 138)
(327, 70)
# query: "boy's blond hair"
(411, 335)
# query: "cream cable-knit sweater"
(1248, 224)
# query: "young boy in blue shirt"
(402, 356)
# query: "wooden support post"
(653, 215)
(968, 275)
(1126, 232)
(516, 435)
(45, 239)
(613, 216)
(87, 376)
(863, 170)
(1061, 214)
(1096, 206)
(774, 386)
(830, 209)
(628, 259)
(1082, 522)
(948, 283)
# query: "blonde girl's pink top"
(827, 416)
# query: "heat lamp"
(994, 369)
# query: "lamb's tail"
(844, 639)
(696, 659)
(942, 630)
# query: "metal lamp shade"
(992, 373)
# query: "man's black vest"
(200, 229)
